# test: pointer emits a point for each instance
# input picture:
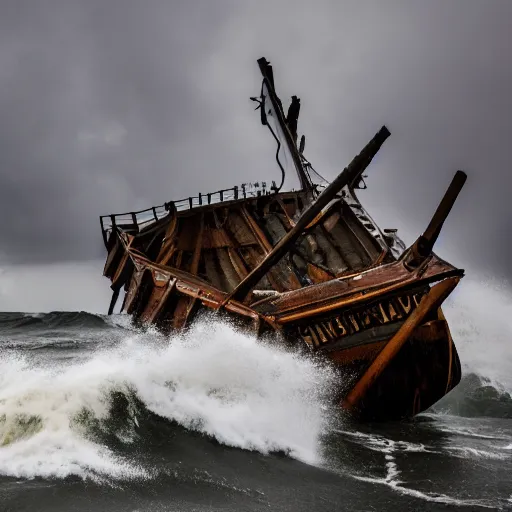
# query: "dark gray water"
(95, 415)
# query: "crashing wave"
(243, 393)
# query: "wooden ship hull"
(310, 265)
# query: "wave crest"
(213, 380)
(52, 320)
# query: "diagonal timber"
(424, 245)
(361, 161)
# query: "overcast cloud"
(110, 105)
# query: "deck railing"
(136, 221)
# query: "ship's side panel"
(223, 243)
(426, 367)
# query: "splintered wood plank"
(179, 258)
(211, 269)
(239, 229)
(132, 291)
(168, 242)
(265, 245)
(231, 278)
(182, 312)
(120, 268)
(194, 267)
(317, 274)
(157, 300)
(231, 242)
(287, 213)
(167, 257)
(111, 255)
(237, 263)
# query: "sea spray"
(38, 434)
(227, 385)
(480, 318)
(479, 314)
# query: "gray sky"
(110, 105)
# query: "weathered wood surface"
(316, 269)
(358, 164)
(329, 332)
(424, 245)
(430, 301)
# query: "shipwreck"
(309, 264)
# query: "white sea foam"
(391, 479)
(476, 431)
(242, 392)
(469, 452)
(379, 443)
(391, 449)
(479, 314)
(121, 320)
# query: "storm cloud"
(110, 106)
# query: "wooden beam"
(360, 162)
(432, 300)
(423, 246)
(168, 240)
(194, 267)
(235, 259)
(265, 245)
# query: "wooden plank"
(199, 245)
(262, 240)
(132, 290)
(424, 245)
(353, 288)
(168, 242)
(359, 163)
(234, 258)
(156, 302)
(432, 300)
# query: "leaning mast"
(287, 124)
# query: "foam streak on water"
(392, 478)
(214, 380)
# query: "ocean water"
(97, 415)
